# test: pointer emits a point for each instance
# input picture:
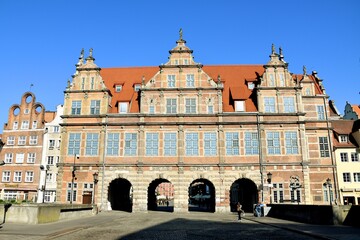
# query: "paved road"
(161, 225)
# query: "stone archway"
(161, 195)
(244, 191)
(202, 196)
(120, 195)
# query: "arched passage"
(120, 195)
(244, 191)
(202, 196)
(161, 195)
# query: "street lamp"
(2, 163)
(73, 178)
(329, 185)
(43, 188)
(95, 176)
(269, 176)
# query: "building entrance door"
(244, 191)
(87, 196)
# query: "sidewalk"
(319, 231)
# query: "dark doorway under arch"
(161, 196)
(120, 195)
(202, 196)
(244, 191)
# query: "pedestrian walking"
(239, 210)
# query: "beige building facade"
(217, 134)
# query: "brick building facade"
(215, 133)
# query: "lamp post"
(73, 178)
(95, 176)
(269, 176)
(2, 163)
(329, 185)
(43, 188)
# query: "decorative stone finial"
(272, 49)
(280, 51)
(91, 52)
(181, 34)
(143, 80)
(81, 54)
(304, 70)
(219, 79)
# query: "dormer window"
(251, 85)
(123, 107)
(239, 106)
(118, 88)
(343, 138)
(186, 62)
(136, 87)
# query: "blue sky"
(40, 41)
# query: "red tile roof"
(356, 109)
(234, 78)
(343, 127)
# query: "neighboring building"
(351, 112)
(50, 157)
(219, 129)
(22, 152)
(348, 161)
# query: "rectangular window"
(6, 176)
(326, 194)
(344, 157)
(123, 107)
(356, 177)
(15, 125)
(191, 142)
(343, 138)
(171, 105)
(152, 144)
(50, 160)
(56, 129)
(19, 158)
(22, 140)
(354, 157)
(17, 176)
(210, 109)
(33, 140)
(29, 176)
(272, 80)
(74, 193)
(34, 125)
(95, 107)
(269, 104)
(289, 105)
(170, 144)
(8, 158)
(171, 80)
(92, 144)
(251, 143)
(346, 177)
(25, 124)
(324, 147)
(232, 143)
(92, 83)
(210, 144)
(137, 87)
(151, 109)
(74, 144)
(51, 143)
(282, 80)
(239, 106)
(31, 157)
(295, 195)
(130, 144)
(118, 88)
(83, 83)
(190, 80)
(76, 107)
(10, 140)
(112, 144)
(320, 112)
(278, 192)
(190, 105)
(291, 143)
(273, 142)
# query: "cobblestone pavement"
(154, 225)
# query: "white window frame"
(8, 157)
(22, 140)
(17, 176)
(190, 80)
(6, 175)
(95, 107)
(29, 176)
(191, 144)
(34, 125)
(10, 140)
(346, 177)
(171, 105)
(291, 144)
(232, 143)
(324, 147)
(344, 157)
(239, 106)
(171, 80)
(273, 143)
(320, 112)
(190, 105)
(123, 107)
(152, 144)
(31, 157)
(19, 158)
(251, 143)
(112, 144)
(15, 125)
(33, 140)
(76, 107)
(354, 157)
(130, 148)
(210, 144)
(269, 105)
(92, 144)
(170, 144)
(25, 124)
(289, 104)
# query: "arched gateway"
(244, 191)
(161, 195)
(202, 196)
(120, 195)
